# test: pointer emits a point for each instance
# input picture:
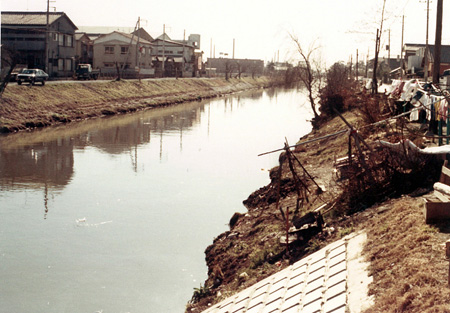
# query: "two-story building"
(176, 57)
(41, 40)
(128, 52)
(84, 49)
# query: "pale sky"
(261, 28)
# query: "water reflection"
(154, 187)
(27, 163)
(45, 157)
(49, 163)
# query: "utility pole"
(426, 44)
(137, 44)
(356, 65)
(46, 37)
(437, 44)
(389, 46)
(375, 63)
(401, 50)
(210, 58)
(351, 65)
(367, 64)
(233, 47)
(164, 48)
(182, 69)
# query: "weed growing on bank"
(374, 193)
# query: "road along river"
(113, 215)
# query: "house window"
(55, 36)
(123, 49)
(61, 39)
(60, 64)
(68, 65)
(108, 64)
(69, 41)
(109, 49)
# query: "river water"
(113, 215)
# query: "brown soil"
(407, 259)
(26, 107)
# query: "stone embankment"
(26, 107)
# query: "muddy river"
(113, 215)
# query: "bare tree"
(377, 51)
(309, 73)
(9, 59)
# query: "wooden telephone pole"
(426, 44)
(46, 37)
(437, 43)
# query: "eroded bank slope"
(384, 199)
(24, 107)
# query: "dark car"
(32, 76)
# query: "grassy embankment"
(24, 107)
(406, 256)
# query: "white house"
(127, 51)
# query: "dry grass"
(407, 259)
(36, 106)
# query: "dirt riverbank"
(26, 107)
(407, 259)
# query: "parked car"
(19, 68)
(32, 76)
(85, 71)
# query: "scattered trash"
(82, 222)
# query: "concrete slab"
(358, 279)
(333, 280)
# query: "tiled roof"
(31, 18)
(318, 283)
(129, 36)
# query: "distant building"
(226, 66)
(179, 56)
(25, 34)
(387, 68)
(84, 49)
(415, 59)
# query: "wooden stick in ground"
(301, 194)
(287, 231)
(352, 129)
(279, 186)
(307, 173)
(447, 254)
